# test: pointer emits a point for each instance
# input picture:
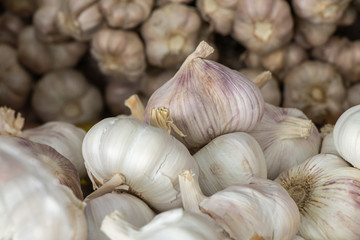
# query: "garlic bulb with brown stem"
(125, 153)
(10, 27)
(259, 209)
(130, 208)
(125, 14)
(263, 26)
(80, 19)
(208, 99)
(317, 89)
(15, 82)
(23, 8)
(119, 53)
(327, 144)
(287, 138)
(41, 58)
(326, 191)
(65, 95)
(171, 33)
(33, 204)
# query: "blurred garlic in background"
(327, 144)
(10, 27)
(65, 95)
(352, 96)
(171, 33)
(154, 78)
(22, 8)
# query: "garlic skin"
(15, 82)
(326, 192)
(22, 8)
(34, 205)
(327, 144)
(41, 58)
(172, 224)
(345, 135)
(130, 208)
(119, 53)
(201, 87)
(125, 15)
(112, 147)
(262, 26)
(80, 19)
(171, 33)
(287, 138)
(65, 95)
(317, 89)
(259, 209)
(10, 27)
(228, 160)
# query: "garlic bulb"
(171, 225)
(145, 160)
(130, 208)
(208, 99)
(80, 19)
(154, 78)
(171, 34)
(260, 209)
(123, 14)
(287, 138)
(326, 191)
(262, 26)
(10, 27)
(41, 58)
(33, 205)
(345, 136)
(228, 160)
(23, 8)
(119, 53)
(352, 96)
(15, 81)
(327, 144)
(349, 17)
(317, 89)
(65, 95)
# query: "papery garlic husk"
(263, 26)
(125, 14)
(270, 91)
(33, 204)
(65, 95)
(10, 27)
(326, 191)
(171, 33)
(287, 138)
(119, 53)
(343, 54)
(228, 160)
(154, 78)
(15, 82)
(346, 135)
(320, 11)
(207, 99)
(80, 19)
(146, 159)
(23, 8)
(219, 13)
(317, 89)
(130, 208)
(327, 144)
(41, 58)
(172, 224)
(259, 209)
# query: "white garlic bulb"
(33, 205)
(130, 208)
(228, 160)
(346, 135)
(208, 99)
(287, 138)
(145, 160)
(326, 191)
(327, 144)
(260, 209)
(65, 95)
(171, 225)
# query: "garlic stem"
(161, 118)
(294, 127)
(326, 129)
(115, 181)
(136, 107)
(203, 50)
(9, 124)
(261, 79)
(191, 194)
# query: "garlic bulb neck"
(294, 127)
(161, 118)
(136, 107)
(261, 79)
(9, 124)
(203, 50)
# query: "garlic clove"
(327, 144)
(201, 87)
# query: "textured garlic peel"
(326, 191)
(148, 158)
(207, 99)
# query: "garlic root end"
(9, 124)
